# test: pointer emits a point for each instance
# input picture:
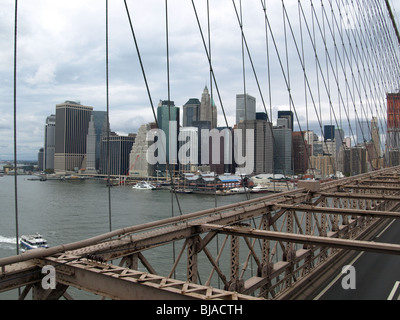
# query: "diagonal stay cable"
(148, 93)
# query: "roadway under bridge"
(280, 246)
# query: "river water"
(68, 211)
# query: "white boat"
(143, 185)
(260, 189)
(33, 241)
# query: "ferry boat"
(143, 185)
(34, 241)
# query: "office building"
(49, 142)
(282, 147)
(329, 132)
(393, 121)
(289, 116)
(72, 124)
(358, 160)
(188, 153)
(96, 131)
(302, 151)
(139, 166)
(191, 112)
(168, 121)
(245, 107)
(208, 110)
(120, 148)
(262, 146)
(41, 159)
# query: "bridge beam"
(307, 239)
(342, 211)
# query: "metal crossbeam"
(306, 239)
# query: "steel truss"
(274, 247)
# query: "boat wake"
(8, 240)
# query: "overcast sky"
(61, 56)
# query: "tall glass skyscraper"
(72, 123)
(245, 107)
(168, 119)
(191, 112)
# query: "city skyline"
(59, 60)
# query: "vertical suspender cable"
(169, 115)
(15, 126)
(108, 125)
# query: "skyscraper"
(245, 107)
(97, 129)
(72, 123)
(287, 115)
(138, 164)
(120, 147)
(282, 147)
(168, 119)
(262, 144)
(49, 142)
(208, 110)
(393, 121)
(191, 112)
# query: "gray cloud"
(61, 56)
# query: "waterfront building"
(72, 123)
(245, 107)
(138, 164)
(96, 131)
(40, 159)
(120, 148)
(49, 142)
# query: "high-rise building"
(286, 114)
(302, 151)
(168, 119)
(262, 146)
(41, 159)
(208, 110)
(138, 164)
(189, 159)
(393, 121)
(203, 145)
(120, 148)
(97, 129)
(375, 137)
(245, 107)
(49, 142)
(72, 123)
(282, 147)
(358, 160)
(329, 132)
(191, 112)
